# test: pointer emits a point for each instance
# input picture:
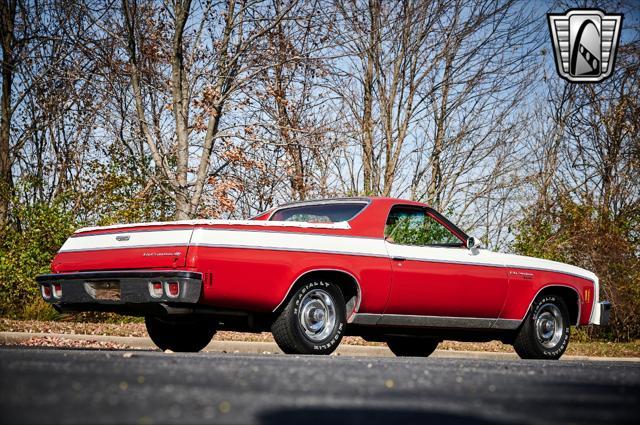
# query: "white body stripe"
(483, 257)
(292, 241)
(289, 241)
(134, 240)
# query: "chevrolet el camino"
(385, 269)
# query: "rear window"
(322, 213)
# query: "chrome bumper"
(129, 287)
(601, 313)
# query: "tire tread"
(285, 329)
(525, 343)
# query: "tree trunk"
(434, 189)
(7, 20)
(180, 97)
(370, 184)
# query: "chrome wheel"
(549, 325)
(317, 314)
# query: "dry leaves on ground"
(57, 342)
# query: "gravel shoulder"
(58, 329)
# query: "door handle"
(398, 258)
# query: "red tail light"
(46, 292)
(57, 290)
(172, 289)
(155, 289)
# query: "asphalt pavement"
(147, 387)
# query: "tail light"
(172, 289)
(46, 292)
(155, 289)
(57, 290)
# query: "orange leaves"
(220, 198)
(236, 156)
(199, 124)
(209, 101)
(210, 95)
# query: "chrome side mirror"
(473, 244)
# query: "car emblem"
(585, 43)
(122, 238)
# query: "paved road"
(82, 386)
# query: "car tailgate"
(125, 248)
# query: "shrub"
(27, 247)
(588, 236)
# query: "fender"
(297, 279)
(555, 285)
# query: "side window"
(413, 226)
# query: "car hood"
(524, 262)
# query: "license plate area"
(104, 290)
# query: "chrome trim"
(596, 299)
(317, 314)
(352, 314)
(552, 286)
(118, 274)
(124, 230)
(368, 319)
(265, 229)
(435, 321)
(427, 209)
(324, 201)
(604, 308)
(272, 230)
(506, 324)
(549, 325)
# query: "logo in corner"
(585, 42)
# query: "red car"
(310, 272)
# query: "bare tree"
(46, 110)
(289, 96)
(389, 49)
(434, 94)
(200, 70)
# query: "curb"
(145, 343)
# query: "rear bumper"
(600, 313)
(119, 290)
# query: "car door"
(434, 274)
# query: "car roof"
(367, 199)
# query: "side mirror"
(473, 243)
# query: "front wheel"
(412, 347)
(187, 335)
(544, 334)
(313, 321)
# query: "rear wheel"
(188, 335)
(313, 321)
(545, 332)
(411, 346)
